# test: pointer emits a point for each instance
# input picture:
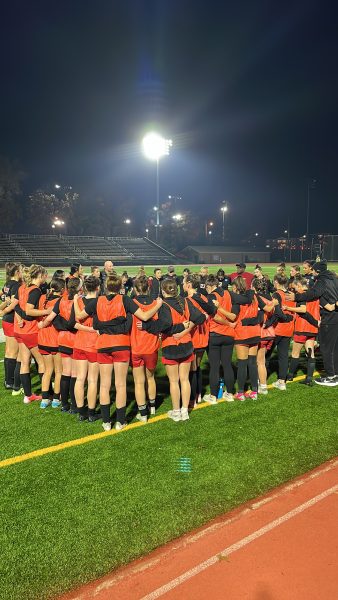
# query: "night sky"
(247, 90)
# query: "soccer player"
(306, 331)
(266, 306)
(49, 348)
(155, 289)
(12, 358)
(247, 338)
(241, 271)
(144, 352)
(283, 330)
(85, 355)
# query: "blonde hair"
(36, 271)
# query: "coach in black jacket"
(325, 289)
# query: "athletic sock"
(105, 412)
(17, 379)
(26, 383)
(56, 395)
(72, 392)
(45, 395)
(293, 365)
(11, 364)
(51, 391)
(121, 415)
(143, 410)
(199, 381)
(64, 389)
(311, 365)
(6, 369)
(83, 411)
(193, 385)
(91, 412)
(152, 402)
(242, 371)
(253, 372)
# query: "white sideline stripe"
(238, 545)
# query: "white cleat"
(174, 415)
(228, 397)
(106, 426)
(279, 385)
(210, 399)
(142, 418)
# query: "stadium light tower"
(224, 209)
(154, 147)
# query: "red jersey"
(143, 342)
(85, 340)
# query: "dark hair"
(113, 284)
(169, 286)
(260, 285)
(301, 281)
(56, 285)
(240, 284)
(141, 285)
(59, 274)
(74, 268)
(220, 272)
(309, 262)
(282, 265)
(212, 281)
(281, 280)
(194, 279)
(11, 269)
(157, 269)
(258, 267)
(92, 269)
(73, 286)
(91, 283)
(296, 268)
(125, 274)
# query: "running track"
(282, 546)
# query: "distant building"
(224, 254)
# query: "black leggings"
(220, 353)
(282, 344)
(328, 339)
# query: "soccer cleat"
(199, 399)
(73, 411)
(210, 399)
(119, 426)
(106, 426)
(56, 403)
(142, 418)
(65, 408)
(17, 392)
(228, 397)
(239, 396)
(327, 381)
(184, 414)
(174, 415)
(83, 418)
(306, 381)
(289, 377)
(251, 394)
(262, 389)
(45, 403)
(8, 386)
(279, 385)
(32, 398)
(94, 418)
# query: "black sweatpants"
(282, 344)
(328, 340)
(220, 353)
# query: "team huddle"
(81, 329)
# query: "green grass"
(74, 515)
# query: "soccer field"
(77, 502)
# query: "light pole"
(207, 225)
(224, 209)
(154, 147)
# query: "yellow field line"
(14, 460)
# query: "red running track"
(283, 546)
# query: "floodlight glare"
(155, 146)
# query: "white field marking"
(238, 545)
(187, 540)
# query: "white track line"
(237, 546)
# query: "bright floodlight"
(127, 221)
(224, 209)
(155, 146)
(177, 217)
(57, 186)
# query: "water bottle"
(220, 389)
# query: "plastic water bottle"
(220, 389)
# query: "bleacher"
(88, 250)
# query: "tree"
(11, 177)
(47, 205)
